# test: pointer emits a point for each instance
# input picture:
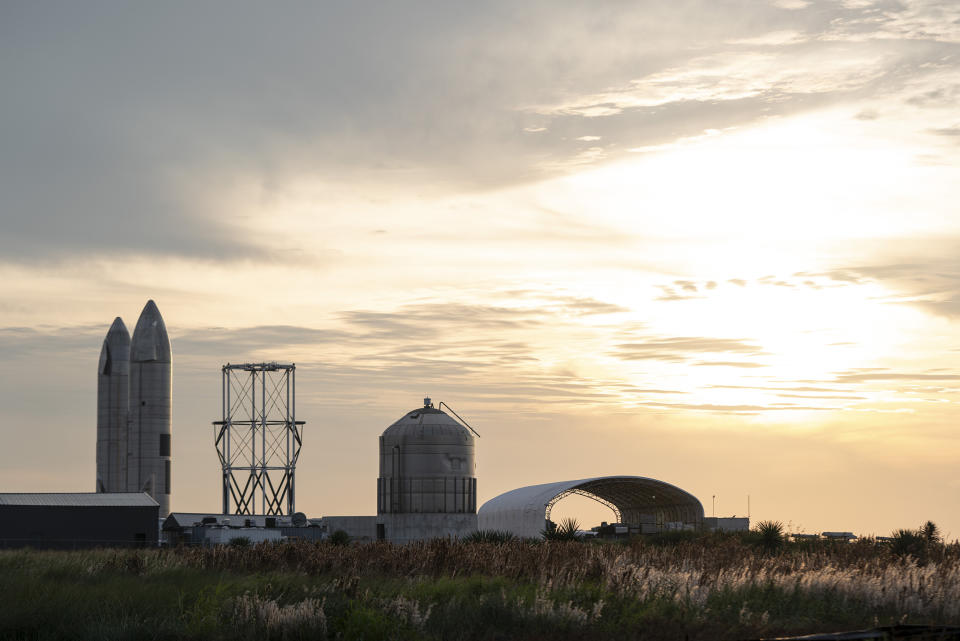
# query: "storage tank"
(427, 486)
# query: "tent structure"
(644, 504)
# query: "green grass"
(696, 588)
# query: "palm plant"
(908, 543)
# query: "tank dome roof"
(427, 422)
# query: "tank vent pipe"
(442, 404)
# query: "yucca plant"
(770, 535)
(565, 531)
(930, 532)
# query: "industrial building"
(191, 528)
(427, 486)
(78, 520)
(428, 489)
(133, 409)
(643, 505)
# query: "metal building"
(644, 505)
(427, 486)
(78, 520)
(113, 381)
(148, 440)
(192, 528)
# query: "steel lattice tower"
(258, 440)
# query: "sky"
(709, 242)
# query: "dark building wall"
(78, 527)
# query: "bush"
(240, 542)
(489, 536)
(339, 537)
(671, 537)
(930, 533)
(922, 544)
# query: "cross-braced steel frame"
(589, 495)
(258, 440)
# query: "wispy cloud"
(684, 348)
(731, 76)
(863, 377)
(739, 364)
(736, 409)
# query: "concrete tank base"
(403, 528)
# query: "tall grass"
(715, 588)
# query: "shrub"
(907, 543)
(240, 542)
(671, 537)
(489, 536)
(930, 532)
(339, 537)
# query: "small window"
(166, 476)
(381, 531)
(164, 445)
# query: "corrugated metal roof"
(79, 499)
(523, 510)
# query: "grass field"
(710, 587)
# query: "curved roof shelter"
(635, 500)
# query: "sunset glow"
(715, 245)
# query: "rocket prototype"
(113, 376)
(148, 446)
(137, 398)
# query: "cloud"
(864, 377)
(791, 4)
(777, 389)
(930, 280)
(51, 342)
(681, 349)
(740, 364)
(732, 76)
(669, 294)
(775, 38)
(931, 20)
(950, 132)
(223, 342)
(824, 397)
(735, 409)
(128, 132)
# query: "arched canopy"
(638, 501)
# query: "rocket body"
(150, 397)
(113, 374)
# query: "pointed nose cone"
(115, 353)
(150, 341)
